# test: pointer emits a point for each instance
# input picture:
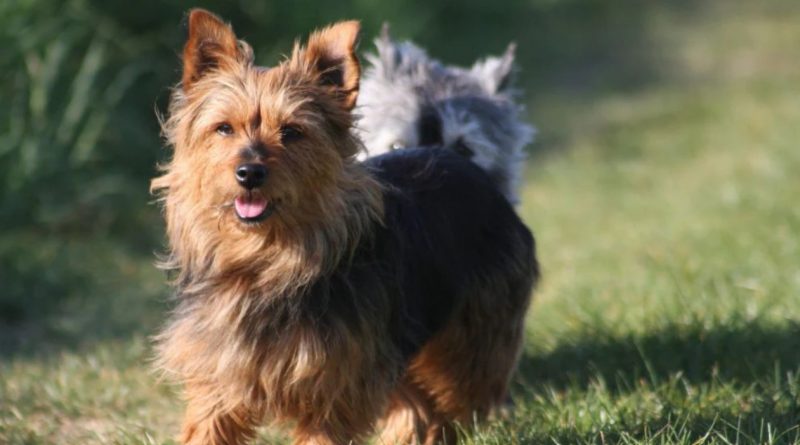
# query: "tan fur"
(234, 340)
(461, 376)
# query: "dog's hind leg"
(466, 368)
(409, 415)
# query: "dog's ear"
(398, 59)
(385, 35)
(495, 73)
(211, 46)
(388, 55)
(331, 54)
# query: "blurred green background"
(662, 189)
(82, 80)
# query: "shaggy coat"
(409, 99)
(384, 296)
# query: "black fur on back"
(446, 230)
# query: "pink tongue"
(250, 207)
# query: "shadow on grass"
(751, 357)
(744, 352)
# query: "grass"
(668, 228)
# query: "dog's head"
(409, 99)
(258, 150)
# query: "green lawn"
(667, 215)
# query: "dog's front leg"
(346, 424)
(208, 423)
(326, 435)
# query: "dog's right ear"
(211, 45)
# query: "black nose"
(251, 176)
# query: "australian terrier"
(336, 297)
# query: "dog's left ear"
(331, 53)
(495, 73)
(389, 56)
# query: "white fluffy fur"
(474, 106)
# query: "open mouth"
(252, 208)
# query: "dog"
(338, 298)
(409, 99)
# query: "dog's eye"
(463, 149)
(290, 133)
(224, 129)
